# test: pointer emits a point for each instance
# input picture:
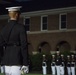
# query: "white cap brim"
(17, 8)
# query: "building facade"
(48, 30)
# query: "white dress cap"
(53, 55)
(43, 55)
(62, 55)
(17, 8)
(72, 55)
(68, 56)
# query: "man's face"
(53, 56)
(14, 14)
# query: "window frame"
(42, 23)
(60, 28)
(25, 23)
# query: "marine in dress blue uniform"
(44, 65)
(62, 64)
(58, 62)
(68, 65)
(72, 64)
(53, 65)
(13, 37)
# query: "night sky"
(35, 5)
(22, 0)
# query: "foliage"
(36, 62)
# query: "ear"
(16, 15)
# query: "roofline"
(50, 11)
(44, 12)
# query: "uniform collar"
(14, 20)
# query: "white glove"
(24, 69)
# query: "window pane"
(44, 23)
(44, 26)
(63, 17)
(63, 25)
(44, 19)
(27, 23)
(63, 21)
